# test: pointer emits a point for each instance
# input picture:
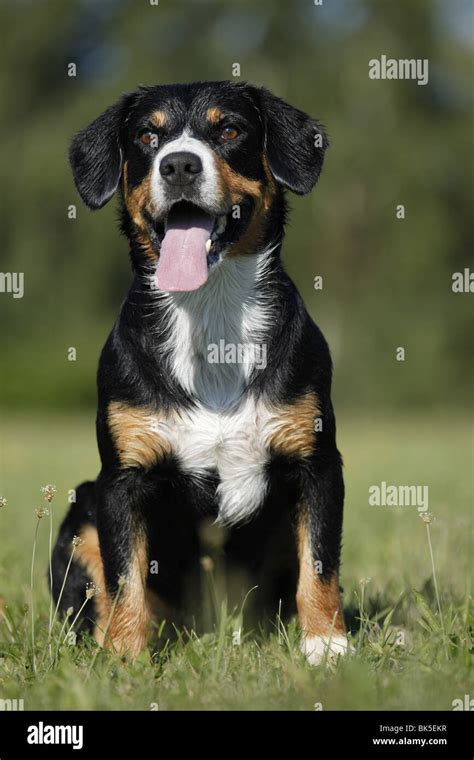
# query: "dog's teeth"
(208, 245)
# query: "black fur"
(96, 155)
(134, 367)
(295, 143)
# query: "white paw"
(317, 648)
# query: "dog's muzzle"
(189, 206)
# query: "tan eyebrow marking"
(158, 119)
(214, 115)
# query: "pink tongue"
(183, 259)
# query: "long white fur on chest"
(234, 444)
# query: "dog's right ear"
(96, 153)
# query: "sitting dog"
(214, 384)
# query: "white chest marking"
(228, 431)
(234, 443)
(229, 308)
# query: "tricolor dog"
(184, 437)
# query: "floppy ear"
(295, 144)
(95, 155)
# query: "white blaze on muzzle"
(182, 265)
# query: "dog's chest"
(227, 431)
(233, 444)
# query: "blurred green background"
(387, 282)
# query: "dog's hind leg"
(76, 561)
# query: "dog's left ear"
(295, 143)
(95, 155)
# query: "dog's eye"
(149, 138)
(230, 133)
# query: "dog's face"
(199, 167)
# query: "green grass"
(406, 656)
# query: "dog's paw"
(316, 649)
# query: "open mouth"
(191, 245)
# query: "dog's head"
(200, 167)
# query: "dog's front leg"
(319, 525)
(123, 612)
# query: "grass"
(407, 589)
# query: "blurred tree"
(387, 281)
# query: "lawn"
(407, 655)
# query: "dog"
(214, 385)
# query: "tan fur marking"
(234, 188)
(133, 429)
(271, 184)
(130, 617)
(158, 119)
(137, 199)
(125, 630)
(295, 434)
(88, 555)
(214, 115)
(318, 601)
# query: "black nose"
(180, 168)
